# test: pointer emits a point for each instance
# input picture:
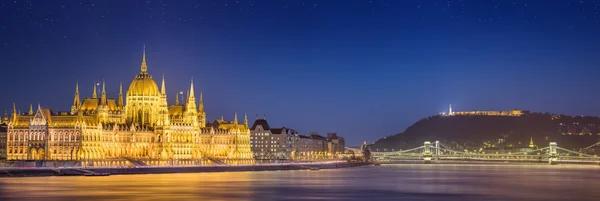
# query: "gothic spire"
(103, 98)
(246, 119)
(144, 67)
(235, 120)
(120, 103)
(76, 101)
(30, 109)
(192, 88)
(191, 101)
(14, 113)
(162, 88)
(201, 104)
(176, 98)
(94, 95)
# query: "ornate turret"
(144, 67)
(190, 107)
(176, 99)
(5, 118)
(120, 101)
(235, 120)
(163, 110)
(94, 95)
(76, 101)
(13, 118)
(103, 97)
(531, 144)
(30, 110)
(201, 113)
(246, 120)
(201, 104)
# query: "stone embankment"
(78, 171)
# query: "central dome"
(143, 85)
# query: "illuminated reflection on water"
(386, 182)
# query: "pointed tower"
(256, 116)
(163, 110)
(31, 109)
(103, 96)
(201, 104)
(531, 144)
(201, 113)
(264, 116)
(190, 107)
(120, 104)
(103, 106)
(246, 120)
(94, 95)
(235, 120)
(13, 119)
(450, 110)
(5, 118)
(144, 67)
(76, 102)
(176, 99)
(187, 95)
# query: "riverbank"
(69, 171)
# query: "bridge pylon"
(553, 154)
(437, 150)
(427, 155)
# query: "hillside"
(477, 131)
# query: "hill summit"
(496, 130)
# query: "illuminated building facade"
(272, 143)
(143, 130)
(3, 132)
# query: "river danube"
(386, 182)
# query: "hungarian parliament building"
(144, 129)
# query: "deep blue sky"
(364, 69)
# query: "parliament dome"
(143, 85)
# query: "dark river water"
(386, 182)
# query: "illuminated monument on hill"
(144, 129)
(484, 113)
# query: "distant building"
(315, 146)
(312, 146)
(335, 144)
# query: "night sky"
(365, 69)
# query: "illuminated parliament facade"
(144, 129)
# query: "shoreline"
(77, 171)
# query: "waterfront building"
(138, 127)
(317, 147)
(272, 143)
(335, 144)
(312, 147)
(3, 130)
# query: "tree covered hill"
(476, 131)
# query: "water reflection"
(387, 182)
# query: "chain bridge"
(437, 151)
